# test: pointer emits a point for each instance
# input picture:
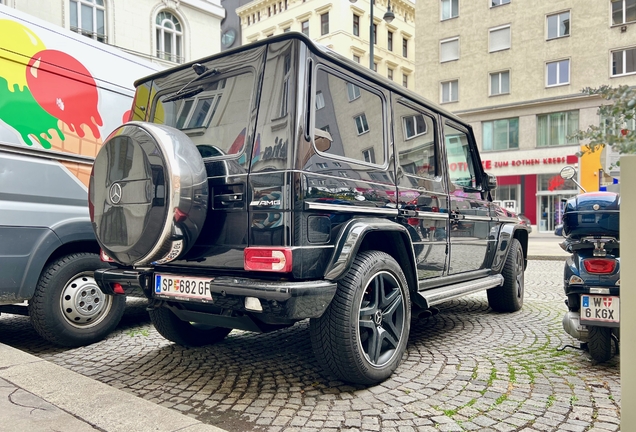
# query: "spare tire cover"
(148, 194)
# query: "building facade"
(167, 32)
(343, 26)
(515, 69)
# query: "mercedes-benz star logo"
(377, 317)
(115, 193)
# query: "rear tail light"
(118, 289)
(267, 259)
(104, 257)
(599, 265)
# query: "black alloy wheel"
(362, 335)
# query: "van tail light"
(267, 259)
(599, 265)
(104, 257)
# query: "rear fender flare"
(506, 233)
(351, 237)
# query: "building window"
(494, 3)
(286, 29)
(554, 129)
(499, 39)
(368, 155)
(375, 66)
(389, 40)
(356, 25)
(405, 80)
(499, 83)
(557, 73)
(405, 47)
(324, 24)
(198, 112)
(322, 165)
(450, 90)
(285, 91)
(356, 58)
(361, 124)
(623, 11)
(624, 62)
(375, 34)
(353, 91)
(500, 134)
(305, 27)
(450, 9)
(414, 125)
(343, 174)
(559, 25)
(449, 50)
(320, 100)
(169, 37)
(87, 18)
(389, 73)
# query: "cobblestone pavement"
(466, 368)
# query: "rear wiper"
(202, 72)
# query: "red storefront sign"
(570, 159)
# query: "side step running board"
(450, 292)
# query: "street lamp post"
(388, 17)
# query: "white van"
(61, 94)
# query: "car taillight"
(599, 265)
(267, 259)
(104, 257)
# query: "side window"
(350, 123)
(415, 141)
(461, 167)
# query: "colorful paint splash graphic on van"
(47, 96)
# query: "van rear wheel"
(362, 335)
(68, 308)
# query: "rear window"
(213, 113)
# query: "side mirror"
(491, 180)
(322, 139)
(568, 173)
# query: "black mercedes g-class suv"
(280, 181)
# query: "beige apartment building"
(167, 32)
(514, 69)
(343, 26)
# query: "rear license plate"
(183, 287)
(599, 309)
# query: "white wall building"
(343, 26)
(167, 32)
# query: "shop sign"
(489, 164)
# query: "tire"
(68, 308)
(509, 296)
(600, 343)
(371, 304)
(185, 333)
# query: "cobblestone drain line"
(466, 368)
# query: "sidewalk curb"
(548, 257)
(101, 406)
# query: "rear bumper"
(279, 300)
